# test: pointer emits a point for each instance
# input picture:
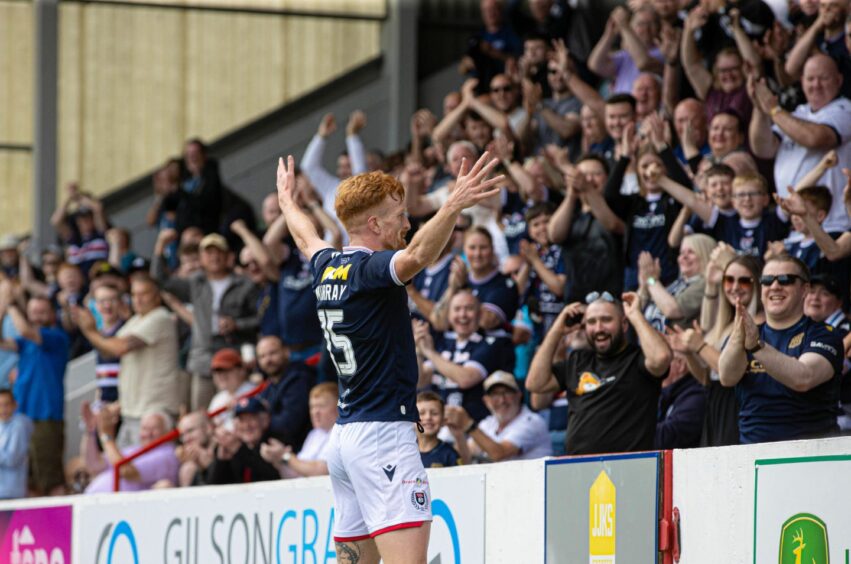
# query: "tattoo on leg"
(348, 553)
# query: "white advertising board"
(287, 522)
(802, 510)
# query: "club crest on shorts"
(419, 499)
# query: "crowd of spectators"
(666, 265)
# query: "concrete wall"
(714, 491)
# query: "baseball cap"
(8, 242)
(251, 405)
(829, 282)
(214, 240)
(503, 378)
(226, 359)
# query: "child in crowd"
(751, 228)
(801, 244)
(541, 278)
(716, 184)
(435, 453)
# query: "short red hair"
(357, 194)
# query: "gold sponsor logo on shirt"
(796, 341)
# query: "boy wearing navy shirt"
(434, 452)
(543, 275)
(751, 228)
(786, 370)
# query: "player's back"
(363, 311)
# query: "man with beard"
(613, 387)
(287, 393)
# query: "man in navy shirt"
(786, 370)
(381, 493)
(459, 360)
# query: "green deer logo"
(794, 549)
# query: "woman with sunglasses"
(738, 280)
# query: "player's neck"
(365, 240)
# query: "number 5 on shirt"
(327, 319)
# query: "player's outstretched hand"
(473, 185)
(286, 182)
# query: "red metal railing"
(170, 436)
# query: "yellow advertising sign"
(601, 520)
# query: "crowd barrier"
(733, 504)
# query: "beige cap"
(214, 240)
(501, 377)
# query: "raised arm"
(636, 48)
(743, 42)
(764, 143)
(657, 353)
(354, 144)
(600, 61)
(558, 228)
(274, 239)
(109, 346)
(470, 188)
(827, 162)
(804, 47)
(258, 249)
(444, 129)
(300, 225)
(734, 360)
(311, 162)
(698, 76)
(540, 378)
(687, 198)
(586, 93)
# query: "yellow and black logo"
(336, 272)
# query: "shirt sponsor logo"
(824, 347)
(336, 272)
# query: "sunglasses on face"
(743, 281)
(782, 279)
(594, 296)
(498, 89)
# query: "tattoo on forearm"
(348, 553)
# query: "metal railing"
(170, 436)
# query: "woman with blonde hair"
(728, 278)
(680, 301)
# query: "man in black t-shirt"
(613, 387)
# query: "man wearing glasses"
(613, 387)
(786, 370)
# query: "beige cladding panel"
(134, 83)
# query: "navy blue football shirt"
(768, 410)
(363, 311)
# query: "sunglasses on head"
(743, 281)
(605, 296)
(783, 279)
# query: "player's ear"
(372, 224)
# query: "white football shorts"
(378, 479)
